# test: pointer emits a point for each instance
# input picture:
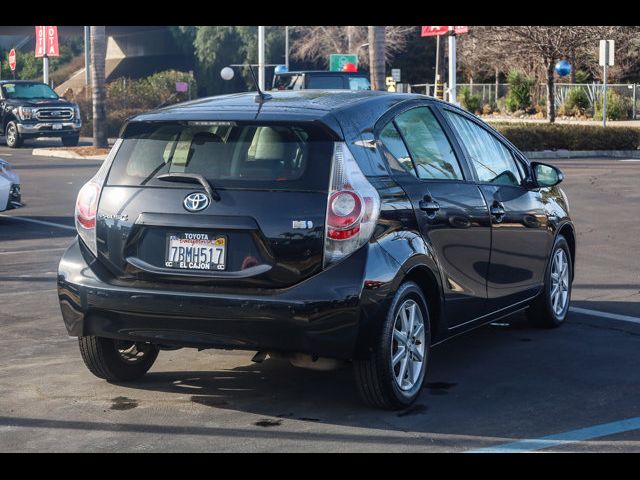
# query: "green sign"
(338, 60)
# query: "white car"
(9, 187)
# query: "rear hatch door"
(259, 224)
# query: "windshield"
(227, 154)
(28, 91)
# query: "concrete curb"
(558, 154)
(54, 152)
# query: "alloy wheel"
(559, 282)
(408, 345)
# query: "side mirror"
(546, 175)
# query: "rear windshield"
(322, 82)
(228, 154)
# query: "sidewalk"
(610, 123)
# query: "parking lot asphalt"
(506, 387)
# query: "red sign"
(433, 31)
(12, 59)
(47, 41)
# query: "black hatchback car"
(320, 226)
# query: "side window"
(492, 161)
(430, 149)
(399, 158)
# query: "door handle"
(497, 210)
(429, 205)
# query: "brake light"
(353, 207)
(86, 209)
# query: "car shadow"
(470, 382)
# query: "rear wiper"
(191, 178)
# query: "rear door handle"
(429, 205)
(497, 210)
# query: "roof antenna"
(227, 74)
(261, 97)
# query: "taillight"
(86, 209)
(353, 207)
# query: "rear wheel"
(71, 140)
(550, 309)
(13, 138)
(393, 375)
(117, 360)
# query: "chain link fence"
(625, 96)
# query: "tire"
(544, 311)
(11, 135)
(104, 359)
(71, 140)
(376, 376)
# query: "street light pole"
(452, 66)
(261, 57)
(286, 47)
(45, 69)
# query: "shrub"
(127, 97)
(617, 107)
(582, 76)
(536, 137)
(469, 102)
(519, 96)
(577, 101)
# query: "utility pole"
(87, 60)
(286, 47)
(261, 58)
(452, 66)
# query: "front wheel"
(393, 375)
(13, 138)
(71, 140)
(550, 309)
(117, 360)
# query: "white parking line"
(37, 250)
(612, 316)
(39, 222)
(582, 434)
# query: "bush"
(519, 96)
(469, 102)
(577, 101)
(127, 97)
(617, 107)
(536, 137)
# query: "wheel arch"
(427, 280)
(568, 232)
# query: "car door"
(451, 212)
(521, 237)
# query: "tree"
(317, 43)
(98, 59)
(533, 49)
(215, 47)
(377, 58)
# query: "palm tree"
(98, 59)
(376, 57)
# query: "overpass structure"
(132, 51)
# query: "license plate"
(56, 126)
(196, 251)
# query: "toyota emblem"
(196, 202)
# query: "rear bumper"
(320, 316)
